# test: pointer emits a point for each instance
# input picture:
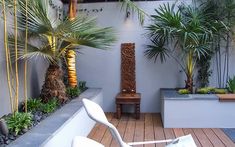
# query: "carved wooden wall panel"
(128, 83)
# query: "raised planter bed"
(59, 129)
(195, 111)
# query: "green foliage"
(19, 121)
(220, 91)
(184, 31)
(73, 92)
(57, 37)
(231, 85)
(204, 71)
(183, 91)
(211, 90)
(205, 90)
(50, 106)
(82, 86)
(34, 105)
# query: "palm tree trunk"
(71, 55)
(189, 73)
(54, 86)
(72, 76)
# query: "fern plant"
(19, 121)
(34, 105)
(231, 84)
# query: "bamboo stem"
(25, 62)
(7, 57)
(16, 57)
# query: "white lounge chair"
(80, 141)
(96, 113)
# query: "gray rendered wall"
(102, 68)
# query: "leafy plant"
(34, 105)
(204, 71)
(221, 11)
(206, 90)
(211, 90)
(55, 38)
(183, 91)
(73, 91)
(220, 91)
(231, 85)
(187, 29)
(19, 121)
(50, 106)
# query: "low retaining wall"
(59, 129)
(195, 111)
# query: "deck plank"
(190, 131)
(149, 127)
(107, 137)
(178, 132)
(213, 138)
(139, 130)
(101, 129)
(121, 127)
(224, 138)
(202, 138)
(130, 131)
(158, 130)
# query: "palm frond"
(129, 5)
(85, 32)
(33, 51)
(38, 20)
(157, 49)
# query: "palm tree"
(185, 29)
(71, 55)
(54, 39)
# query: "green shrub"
(183, 91)
(73, 92)
(220, 91)
(206, 90)
(50, 106)
(19, 121)
(34, 105)
(231, 85)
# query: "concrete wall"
(102, 68)
(36, 72)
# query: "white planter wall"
(195, 111)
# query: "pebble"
(1, 140)
(11, 137)
(24, 130)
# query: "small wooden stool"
(133, 99)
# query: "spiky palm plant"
(52, 39)
(71, 55)
(184, 29)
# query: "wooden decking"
(149, 127)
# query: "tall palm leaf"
(54, 39)
(185, 29)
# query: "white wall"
(102, 68)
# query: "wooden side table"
(128, 98)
